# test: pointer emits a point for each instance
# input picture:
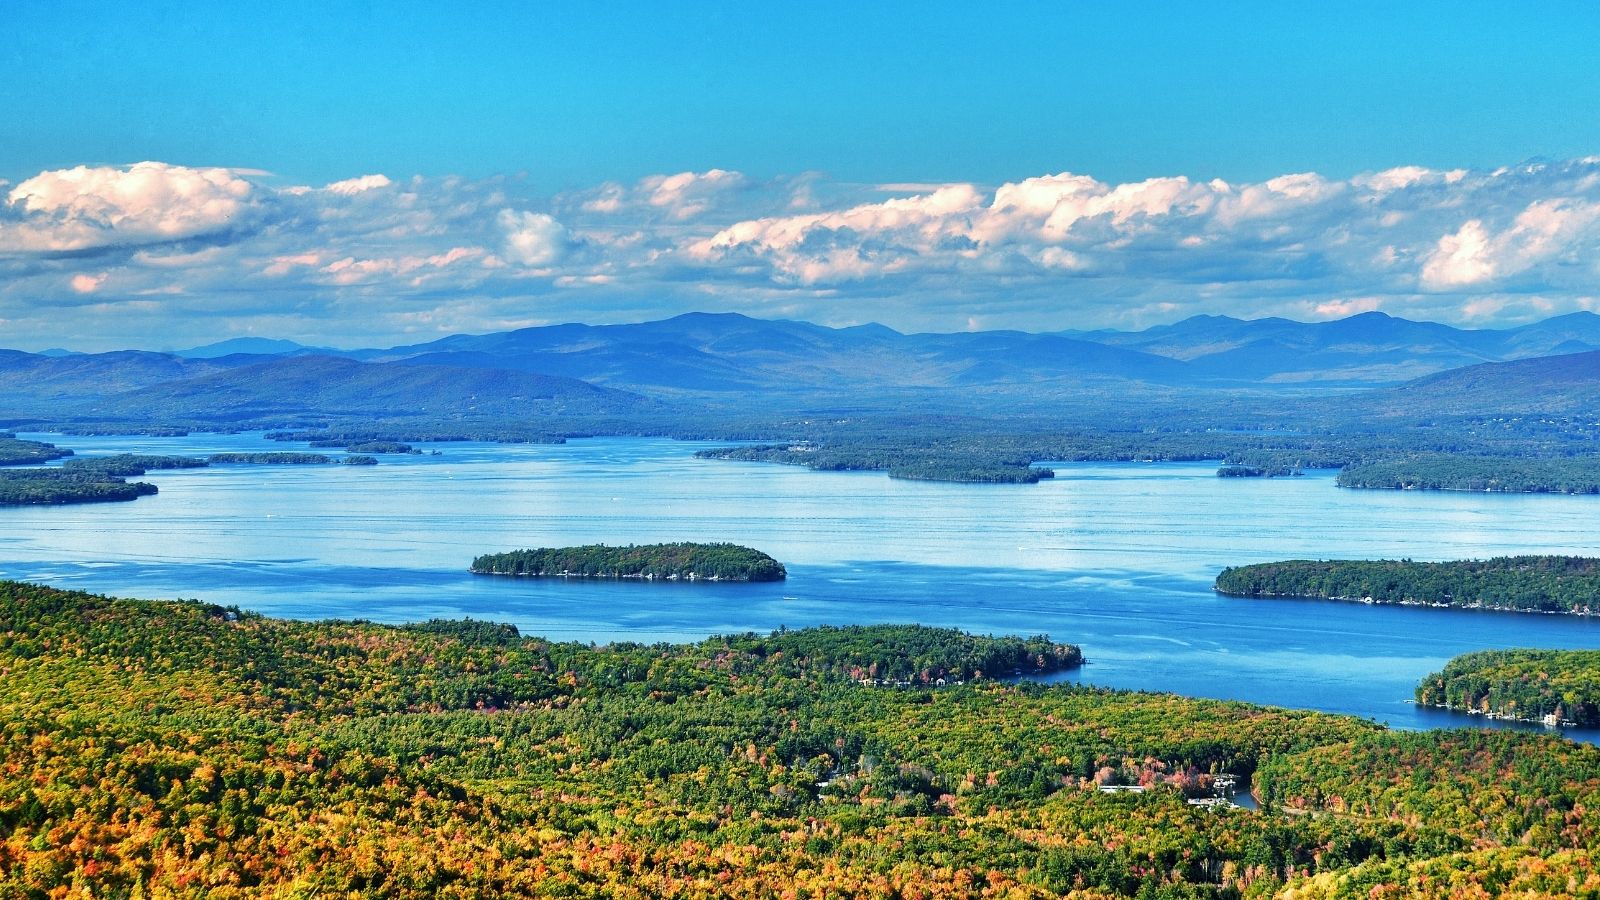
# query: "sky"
(364, 174)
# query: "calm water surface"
(1116, 557)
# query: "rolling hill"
(1367, 349)
(1568, 384)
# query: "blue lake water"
(1116, 557)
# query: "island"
(193, 749)
(27, 487)
(1548, 687)
(649, 562)
(368, 446)
(908, 463)
(124, 465)
(1548, 584)
(279, 458)
(272, 458)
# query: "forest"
(281, 458)
(686, 561)
(1558, 452)
(127, 465)
(187, 749)
(1528, 685)
(16, 452)
(1565, 584)
(1453, 472)
(67, 485)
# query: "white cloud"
(1460, 259)
(680, 197)
(85, 208)
(1545, 230)
(688, 194)
(373, 257)
(532, 239)
(352, 186)
(87, 284)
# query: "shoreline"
(1368, 601)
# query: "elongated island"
(650, 562)
(1547, 584)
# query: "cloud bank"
(155, 254)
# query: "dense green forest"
(64, 485)
(1569, 584)
(1530, 685)
(126, 465)
(1512, 807)
(1234, 470)
(275, 458)
(16, 452)
(503, 432)
(279, 458)
(914, 463)
(714, 562)
(368, 446)
(1004, 449)
(192, 750)
(1460, 472)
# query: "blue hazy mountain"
(743, 364)
(730, 352)
(1370, 348)
(251, 345)
(137, 385)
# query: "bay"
(1116, 557)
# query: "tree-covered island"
(25, 487)
(125, 465)
(667, 562)
(1550, 687)
(1548, 584)
(283, 458)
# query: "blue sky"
(507, 126)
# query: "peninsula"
(1549, 584)
(1549, 687)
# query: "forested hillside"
(191, 750)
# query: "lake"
(1116, 557)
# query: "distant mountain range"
(702, 352)
(726, 352)
(1370, 348)
(733, 361)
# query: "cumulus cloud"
(85, 208)
(1546, 230)
(370, 258)
(532, 239)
